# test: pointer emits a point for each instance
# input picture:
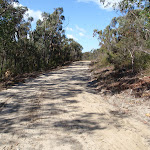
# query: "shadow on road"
(37, 104)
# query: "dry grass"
(125, 90)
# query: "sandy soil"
(61, 110)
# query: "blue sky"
(81, 17)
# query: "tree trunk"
(132, 59)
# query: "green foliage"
(87, 56)
(127, 38)
(23, 50)
(142, 61)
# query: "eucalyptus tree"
(6, 5)
(48, 36)
(23, 50)
(126, 6)
(11, 18)
(127, 38)
(75, 50)
(125, 42)
(17, 50)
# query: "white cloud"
(69, 29)
(30, 13)
(81, 34)
(17, 5)
(80, 29)
(71, 37)
(35, 14)
(100, 4)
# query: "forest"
(125, 42)
(23, 50)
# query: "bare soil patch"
(21, 78)
(61, 110)
(125, 90)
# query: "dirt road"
(60, 110)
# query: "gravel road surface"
(61, 110)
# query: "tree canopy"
(126, 40)
(23, 50)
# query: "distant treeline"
(125, 42)
(23, 50)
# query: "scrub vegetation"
(23, 50)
